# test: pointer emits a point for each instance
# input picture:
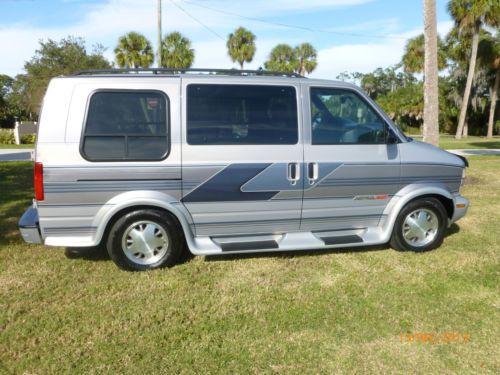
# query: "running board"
(341, 240)
(280, 242)
(253, 245)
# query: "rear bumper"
(28, 226)
(460, 205)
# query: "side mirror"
(391, 138)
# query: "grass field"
(4, 146)
(448, 142)
(340, 312)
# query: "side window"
(241, 115)
(342, 117)
(126, 125)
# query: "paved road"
(483, 151)
(15, 155)
(25, 154)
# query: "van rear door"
(241, 156)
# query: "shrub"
(7, 137)
(28, 138)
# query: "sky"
(349, 35)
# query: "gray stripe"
(249, 223)
(98, 186)
(70, 230)
(341, 218)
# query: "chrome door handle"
(293, 173)
(312, 172)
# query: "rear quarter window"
(126, 125)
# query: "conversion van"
(147, 163)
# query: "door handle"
(293, 173)
(312, 172)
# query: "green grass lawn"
(331, 312)
(448, 142)
(4, 146)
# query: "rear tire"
(145, 239)
(420, 226)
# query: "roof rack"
(230, 72)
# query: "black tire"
(398, 242)
(160, 219)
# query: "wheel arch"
(106, 217)
(445, 201)
(410, 194)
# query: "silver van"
(147, 163)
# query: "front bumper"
(460, 205)
(28, 226)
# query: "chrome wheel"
(145, 242)
(420, 227)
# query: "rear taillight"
(39, 182)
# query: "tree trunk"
(494, 96)
(431, 99)
(468, 85)
(159, 47)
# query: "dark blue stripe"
(226, 185)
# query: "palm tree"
(134, 51)
(176, 51)
(282, 59)
(241, 46)
(469, 16)
(306, 56)
(413, 58)
(431, 94)
(492, 61)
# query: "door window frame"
(307, 119)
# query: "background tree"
(431, 93)
(306, 57)
(241, 46)
(6, 115)
(134, 51)
(414, 53)
(490, 60)
(282, 59)
(404, 105)
(469, 16)
(52, 59)
(380, 82)
(176, 51)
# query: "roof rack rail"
(231, 72)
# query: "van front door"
(350, 171)
(241, 157)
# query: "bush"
(28, 139)
(7, 137)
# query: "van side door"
(350, 171)
(241, 156)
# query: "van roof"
(212, 74)
(177, 72)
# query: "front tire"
(145, 239)
(420, 226)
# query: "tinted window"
(342, 117)
(241, 115)
(130, 125)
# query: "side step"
(286, 241)
(242, 246)
(340, 240)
